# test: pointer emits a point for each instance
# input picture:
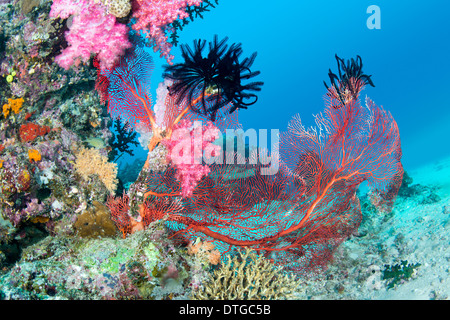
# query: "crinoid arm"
(213, 81)
(348, 83)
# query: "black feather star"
(348, 84)
(212, 82)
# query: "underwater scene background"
(99, 97)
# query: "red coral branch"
(119, 208)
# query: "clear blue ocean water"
(408, 58)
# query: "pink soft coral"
(186, 146)
(153, 15)
(93, 32)
(65, 8)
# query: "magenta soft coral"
(153, 15)
(93, 32)
(186, 147)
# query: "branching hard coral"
(248, 276)
(90, 162)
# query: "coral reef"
(69, 229)
(47, 115)
(298, 215)
(143, 266)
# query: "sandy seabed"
(415, 232)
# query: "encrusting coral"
(95, 222)
(248, 276)
(118, 8)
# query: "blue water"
(296, 41)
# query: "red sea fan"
(119, 208)
(128, 90)
(297, 216)
(300, 215)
